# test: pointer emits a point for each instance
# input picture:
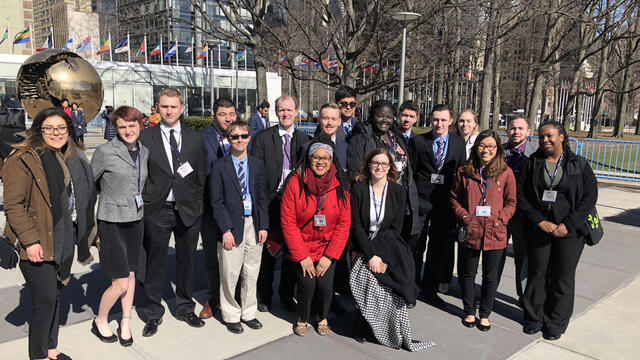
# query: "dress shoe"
(151, 327)
(468, 324)
(105, 339)
(482, 327)
(411, 305)
(235, 328)
(300, 329)
(206, 312)
(361, 338)
(191, 319)
(263, 307)
(550, 337)
(255, 324)
(124, 342)
(531, 329)
(290, 306)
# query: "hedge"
(197, 123)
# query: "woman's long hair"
(365, 172)
(495, 167)
(34, 138)
(456, 129)
(343, 188)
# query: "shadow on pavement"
(627, 217)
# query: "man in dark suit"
(329, 123)
(216, 145)
(173, 203)
(407, 117)
(435, 158)
(240, 206)
(278, 147)
(345, 97)
(259, 120)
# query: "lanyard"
(391, 146)
(555, 172)
(320, 201)
(176, 152)
(375, 206)
(221, 143)
(484, 186)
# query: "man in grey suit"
(517, 150)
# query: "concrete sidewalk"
(605, 325)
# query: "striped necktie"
(241, 178)
(440, 153)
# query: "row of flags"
(22, 37)
(303, 61)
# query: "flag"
(189, 49)
(172, 50)
(23, 37)
(68, 44)
(106, 46)
(140, 51)
(204, 52)
(48, 44)
(334, 64)
(283, 61)
(467, 76)
(156, 50)
(85, 45)
(240, 56)
(5, 36)
(122, 47)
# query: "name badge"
(185, 169)
(319, 220)
(549, 196)
(398, 165)
(483, 211)
(247, 207)
(437, 179)
(139, 201)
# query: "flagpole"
(219, 58)
(145, 48)
(31, 38)
(192, 57)
(110, 55)
(177, 52)
(53, 42)
(129, 45)
(93, 59)
(211, 79)
(161, 55)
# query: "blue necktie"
(241, 178)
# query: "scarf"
(320, 185)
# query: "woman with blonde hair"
(467, 127)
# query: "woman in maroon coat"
(315, 215)
(486, 217)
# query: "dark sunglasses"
(344, 104)
(236, 137)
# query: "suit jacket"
(423, 160)
(117, 177)
(188, 191)
(255, 124)
(226, 197)
(340, 153)
(267, 147)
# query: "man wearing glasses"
(345, 97)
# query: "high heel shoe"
(105, 339)
(124, 342)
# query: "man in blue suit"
(329, 122)
(240, 208)
(259, 120)
(407, 117)
(217, 146)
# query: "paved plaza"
(605, 325)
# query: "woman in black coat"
(556, 191)
(382, 279)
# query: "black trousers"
(438, 266)
(266, 276)
(517, 232)
(44, 320)
(317, 291)
(341, 276)
(210, 237)
(468, 260)
(157, 232)
(549, 295)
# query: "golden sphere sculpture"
(49, 76)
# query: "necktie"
(174, 150)
(241, 179)
(440, 153)
(406, 139)
(347, 129)
(286, 160)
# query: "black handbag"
(592, 230)
(462, 233)
(8, 253)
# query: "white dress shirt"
(167, 148)
(282, 132)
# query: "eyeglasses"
(344, 104)
(383, 165)
(487, 147)
(50, 129)
(320, 158)
(236, 137)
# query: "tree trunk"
(456, 73)
(627, 78)
(596, 115)
(440, 92)
(487, 73)
(497, 62)
(536, 96)
(579, 104)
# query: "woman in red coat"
(483, 197)
(316, 216)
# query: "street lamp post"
(404, 18)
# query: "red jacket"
(486, 233)
(314, 241)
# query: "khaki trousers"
(241, 261)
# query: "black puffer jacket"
(11, 123)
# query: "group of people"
(348, 211)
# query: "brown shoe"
(323, 329)
(300, 329)
(206, 311)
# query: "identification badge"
(437, 179)
(185, 169)
(398, 165)
(139, 201)
(549, 196)
(319, 220)
(247, 207)
(483, 211)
